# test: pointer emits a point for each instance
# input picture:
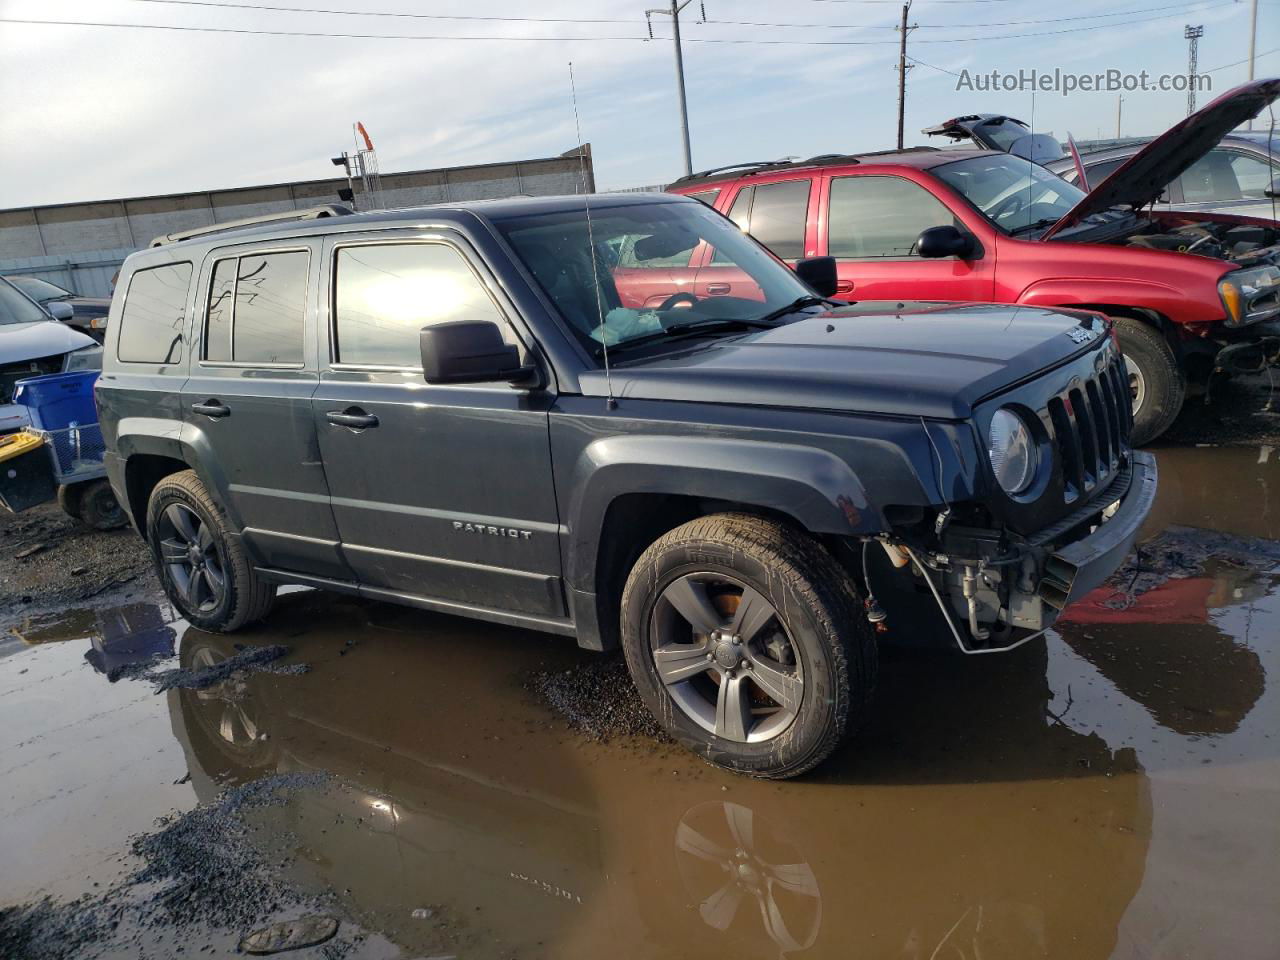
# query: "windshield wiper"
(808, 300)
(1045, 222)
(709, 325)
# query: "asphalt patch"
(597, 700)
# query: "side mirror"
(60, 311)
(945, 241)
(469, 351)
(1273, 191)
(819, 273)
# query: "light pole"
(674, 13)
(1253, 43)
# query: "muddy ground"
(446, 788)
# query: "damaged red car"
(1191, 294)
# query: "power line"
(446, 37)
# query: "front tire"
(746, 641)
(204, 570)
(1157, 384)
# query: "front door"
(440, 492)
(247, 404)
(873, 222)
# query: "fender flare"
(165, 438)
(814, 487)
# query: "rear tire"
(98, 507)
(1157, 383)
(774, 662)
(204, 570)
(69, 499)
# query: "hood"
(922, 360)
(1143, 178)
(45, 338)
(89, 306)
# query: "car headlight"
(1251, 294)
(86, 358)
(1013, 452)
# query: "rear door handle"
(844, 286)
(717, 289)
(352, 417)
(211, 408)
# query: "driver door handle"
(717, 289)
(211, 408)
(844, 286)
(352, 417)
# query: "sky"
(95, 112)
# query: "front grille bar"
(1091, 426)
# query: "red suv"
(1190, 293)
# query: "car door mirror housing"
(819, 273)
(469, 351)
(945, 241)
(59, 310)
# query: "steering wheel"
(1013, 204)
(682, 297)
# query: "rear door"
(871, 225)
(247, 403)
(774, 213)
(446, 492)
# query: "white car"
(34, 342)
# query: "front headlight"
(1250, 295)
(1013, 453)
(86, 358)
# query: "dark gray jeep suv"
(519, 411)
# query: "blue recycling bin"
(59, 400)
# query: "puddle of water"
(1112, 793)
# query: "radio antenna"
(611, 403)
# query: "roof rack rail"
(749, 165)
(308, 213)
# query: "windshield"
(15, 308)
(39, 290)
(644, 258)
(1003, 132)
(1014, 193)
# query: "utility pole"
(1119, 107)
(1253, 43)
(674, 13)
(1193, 35)
(903, 67)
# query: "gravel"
(598, 700)
(198, 870)
(1180, 552)
(177, 678)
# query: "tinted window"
(15, 308)
(385, 294)
(706, 196)
(739, 213)
(151, 321)
(1225, 175)
(1100, 171)
(880, 216)
(256, 307)
(217, 326)
(778, 216)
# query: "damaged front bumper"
(996, 595)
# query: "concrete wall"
(79, 245)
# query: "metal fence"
(86, 274)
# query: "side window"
(779, 214)
(706, 196)
(739, 213)
(256, 308)
(1253, 175)
(151, 322)
(1100, 171)
(880, 217)
(1210, 178)
(384, 294)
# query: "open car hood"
(993, 131)
(1143, 178)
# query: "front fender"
(1169, 300)
(814, 487)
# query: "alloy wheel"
(725, 658)
(190, 556)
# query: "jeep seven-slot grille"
(1091, 425)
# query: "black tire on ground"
(69, 499)
(246, 597)
(98, 506)
(1156, 380)
(816, 610)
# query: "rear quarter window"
(154, 311)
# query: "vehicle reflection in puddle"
(1109, 793)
